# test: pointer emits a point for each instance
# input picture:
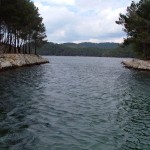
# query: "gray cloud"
(79, 20)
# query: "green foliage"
(136, 23)
(105, 45)
(21, 26)
(72, 49)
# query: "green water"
(75, 103)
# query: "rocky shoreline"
(137, 64)
(8, 61)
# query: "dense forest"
(87, 49)
(89, 45)
(136, 23)
(21, 27)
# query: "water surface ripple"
(75, 103)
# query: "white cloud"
(79, 20)
(56, 2)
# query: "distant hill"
(86, 49)
(89, 44)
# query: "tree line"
(80, 50)
(21, 27)
(136, 23)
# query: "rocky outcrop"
(18, 60)
(137, 64)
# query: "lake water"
(75, 103)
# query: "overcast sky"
(82, 20)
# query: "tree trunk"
(15, 49)
(35, 48)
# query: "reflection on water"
(75, 103)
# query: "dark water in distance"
(75, 103)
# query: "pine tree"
(20, 26)
(136, 24)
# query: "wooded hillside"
(73, 49)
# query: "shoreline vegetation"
(21, 33)
(136, 24)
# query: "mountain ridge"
(86, 49)
(91, 44)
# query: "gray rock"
(18, 60)
(137, 64)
